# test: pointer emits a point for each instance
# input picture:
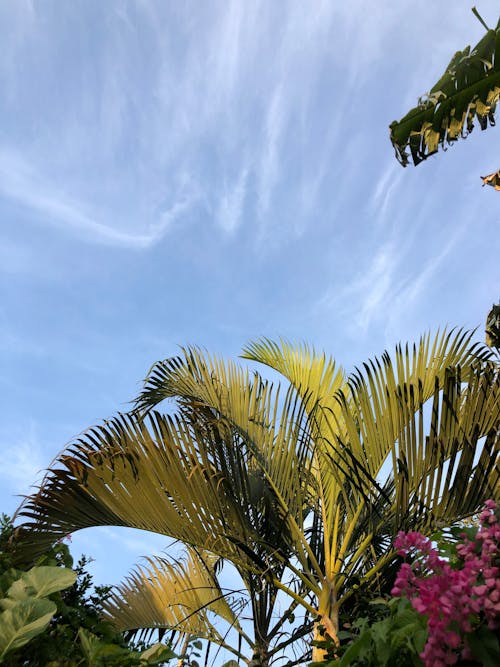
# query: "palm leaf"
(191, 476)
(439, 473)
(313, 481)
(148, 474)
(181, 595)
(272, 430)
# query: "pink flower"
(456, 601)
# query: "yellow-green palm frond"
(315, 376)
(356, 424)
(382, 391)
(443, 462)
(181, 595)
(149, 474)
(313, 480)
(272, 436)
(200, 377)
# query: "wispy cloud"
(22, 461)
(384, 192)
(390, 286)
(269, 167)
(231, 204)
(366, 296)
(20, 183)
(221, 91)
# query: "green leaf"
(360, 645)
(41, 582)
(89, 643)
(485, 647)
(157, 654)
(7, 578)
(23, 621)
(469, 90)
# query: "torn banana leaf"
(467, 92)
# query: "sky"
(178, 173)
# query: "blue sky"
(186, 172)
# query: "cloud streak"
(220, 91)
(21, 184)
(22, 463)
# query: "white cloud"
(385, 189)
(21, 183)
(416, 284)
(270, 160)
(22, 462)
(231, 204)
(217, 83)
(390, 287)
(366, 297)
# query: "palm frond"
(442, 467)
(182, 595)
(313, 480)
(272, 431)
(149, 474)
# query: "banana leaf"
(467, 92)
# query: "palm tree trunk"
(182, 654)
(260, 657)
(327, 624)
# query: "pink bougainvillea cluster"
(457, 599)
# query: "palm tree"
(303, 492)
(190, 476)
(469, 90)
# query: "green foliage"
(395, 640)
(468, 90)
(25, 610)
(484, 647)
(98, 652)
(51, 614)
(23, 621)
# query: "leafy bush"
(25, 608)
(395, 640)
(51, 614)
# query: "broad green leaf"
(40, 582)
(23, 621)
(157, 654)
(355, 650)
